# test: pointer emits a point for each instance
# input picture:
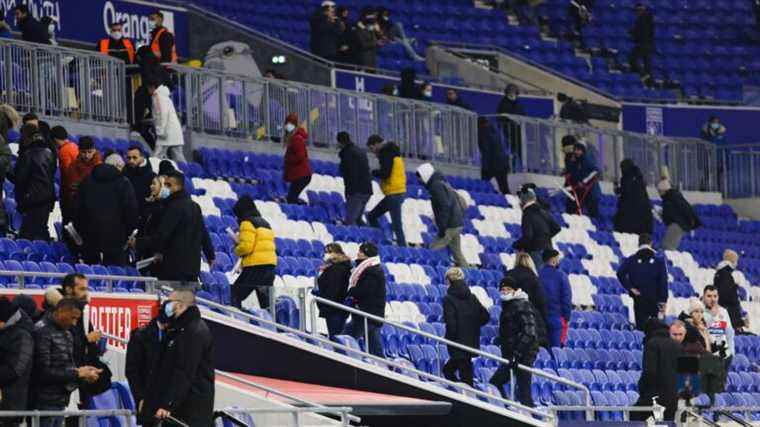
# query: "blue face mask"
(169, 309)
(715, 126)
(164, 193)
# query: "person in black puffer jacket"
(519, 337)
(55, 373)
(366, 290)
(332, 284)
(464, 315)
(677, 214)
(34, 176)
(16, 359)
(634, 209)
(108, 213)
(538, 227)
(525, 275)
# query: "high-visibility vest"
(104, 48)
(156, 47)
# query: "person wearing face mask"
(366, 39)
(257, 252)
(332, 284)
(728, 290)
(31, 29)
(714, 131)
(161, 39)
(426, 92)
(49, 24)
(143, 353)
(297, 170)
(366, 291)
(170, 140)
(519, 338)
(107, 213)
(116, 45)
(150, 219)
(183, 384)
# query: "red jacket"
(74, 175)
(297, 157)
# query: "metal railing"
(215, 102)
(344, 413)
(367, 317)
(738, 170)
(536, 146)
(62, 82)
(358, 354)
(24, 277)
(626, 410)
(81, 416)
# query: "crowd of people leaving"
(47, 354)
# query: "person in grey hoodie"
(447, 210)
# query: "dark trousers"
(463, 366)
(391, 203)
(34, 223)
(524, 379)
(373, 334)
(336, 323)
(259, 278)
(503, 182)
(295, 189)
(641, 53)
(643, 310)
(50, 421)
(355, 205)
(117, 257)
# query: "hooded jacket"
(675, 209)
(34, 175)
(354, 168)
(107, 209)
(634, 209)
(446, 210)
(297, 156)
(728, 295)
(392, 172)
(179, 239)
(256, 244)
(333, 283)
(16, 361)
(168, 126)
(646, 271)
(464, 316)
(184, 380)
(518, 331)
(55, 375)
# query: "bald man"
(728, 295)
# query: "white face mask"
(116, 35)
(289, 127)
(327, 257)
(152, 25)
(427, 94)
(51, 29)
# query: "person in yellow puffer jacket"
(392, 175)
(257, 252)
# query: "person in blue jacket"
(559, 297)
(582, 175)
(645, 276)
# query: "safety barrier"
(62, 82)
(536, 147)
(738, 170)
(218, 103)
(81, 416)
(109, 279)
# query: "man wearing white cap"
(448, 210)
(326, 30)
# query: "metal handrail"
(626, 410)
(367, 316)
(109, 278)
(344, 412)
(236, 312)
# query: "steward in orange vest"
(117, 46)
(161, 39)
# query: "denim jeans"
(391, 203)
(373, 333)
(355, 205)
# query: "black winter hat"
(549, 254)
(509, 282)
(26, 303)
(165, 168)
(7, 309)
(568, 140)
(245, 208)
(369, 249)
(59, 132)
(374, 139)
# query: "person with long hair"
(332, 284)
(526, 276)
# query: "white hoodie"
(425, 171)
(168, 127)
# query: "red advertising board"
(114, 314)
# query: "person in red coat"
(297, 168)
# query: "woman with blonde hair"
(526, 278)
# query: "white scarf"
(725, 263)
(356, 274)
(518, 294)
